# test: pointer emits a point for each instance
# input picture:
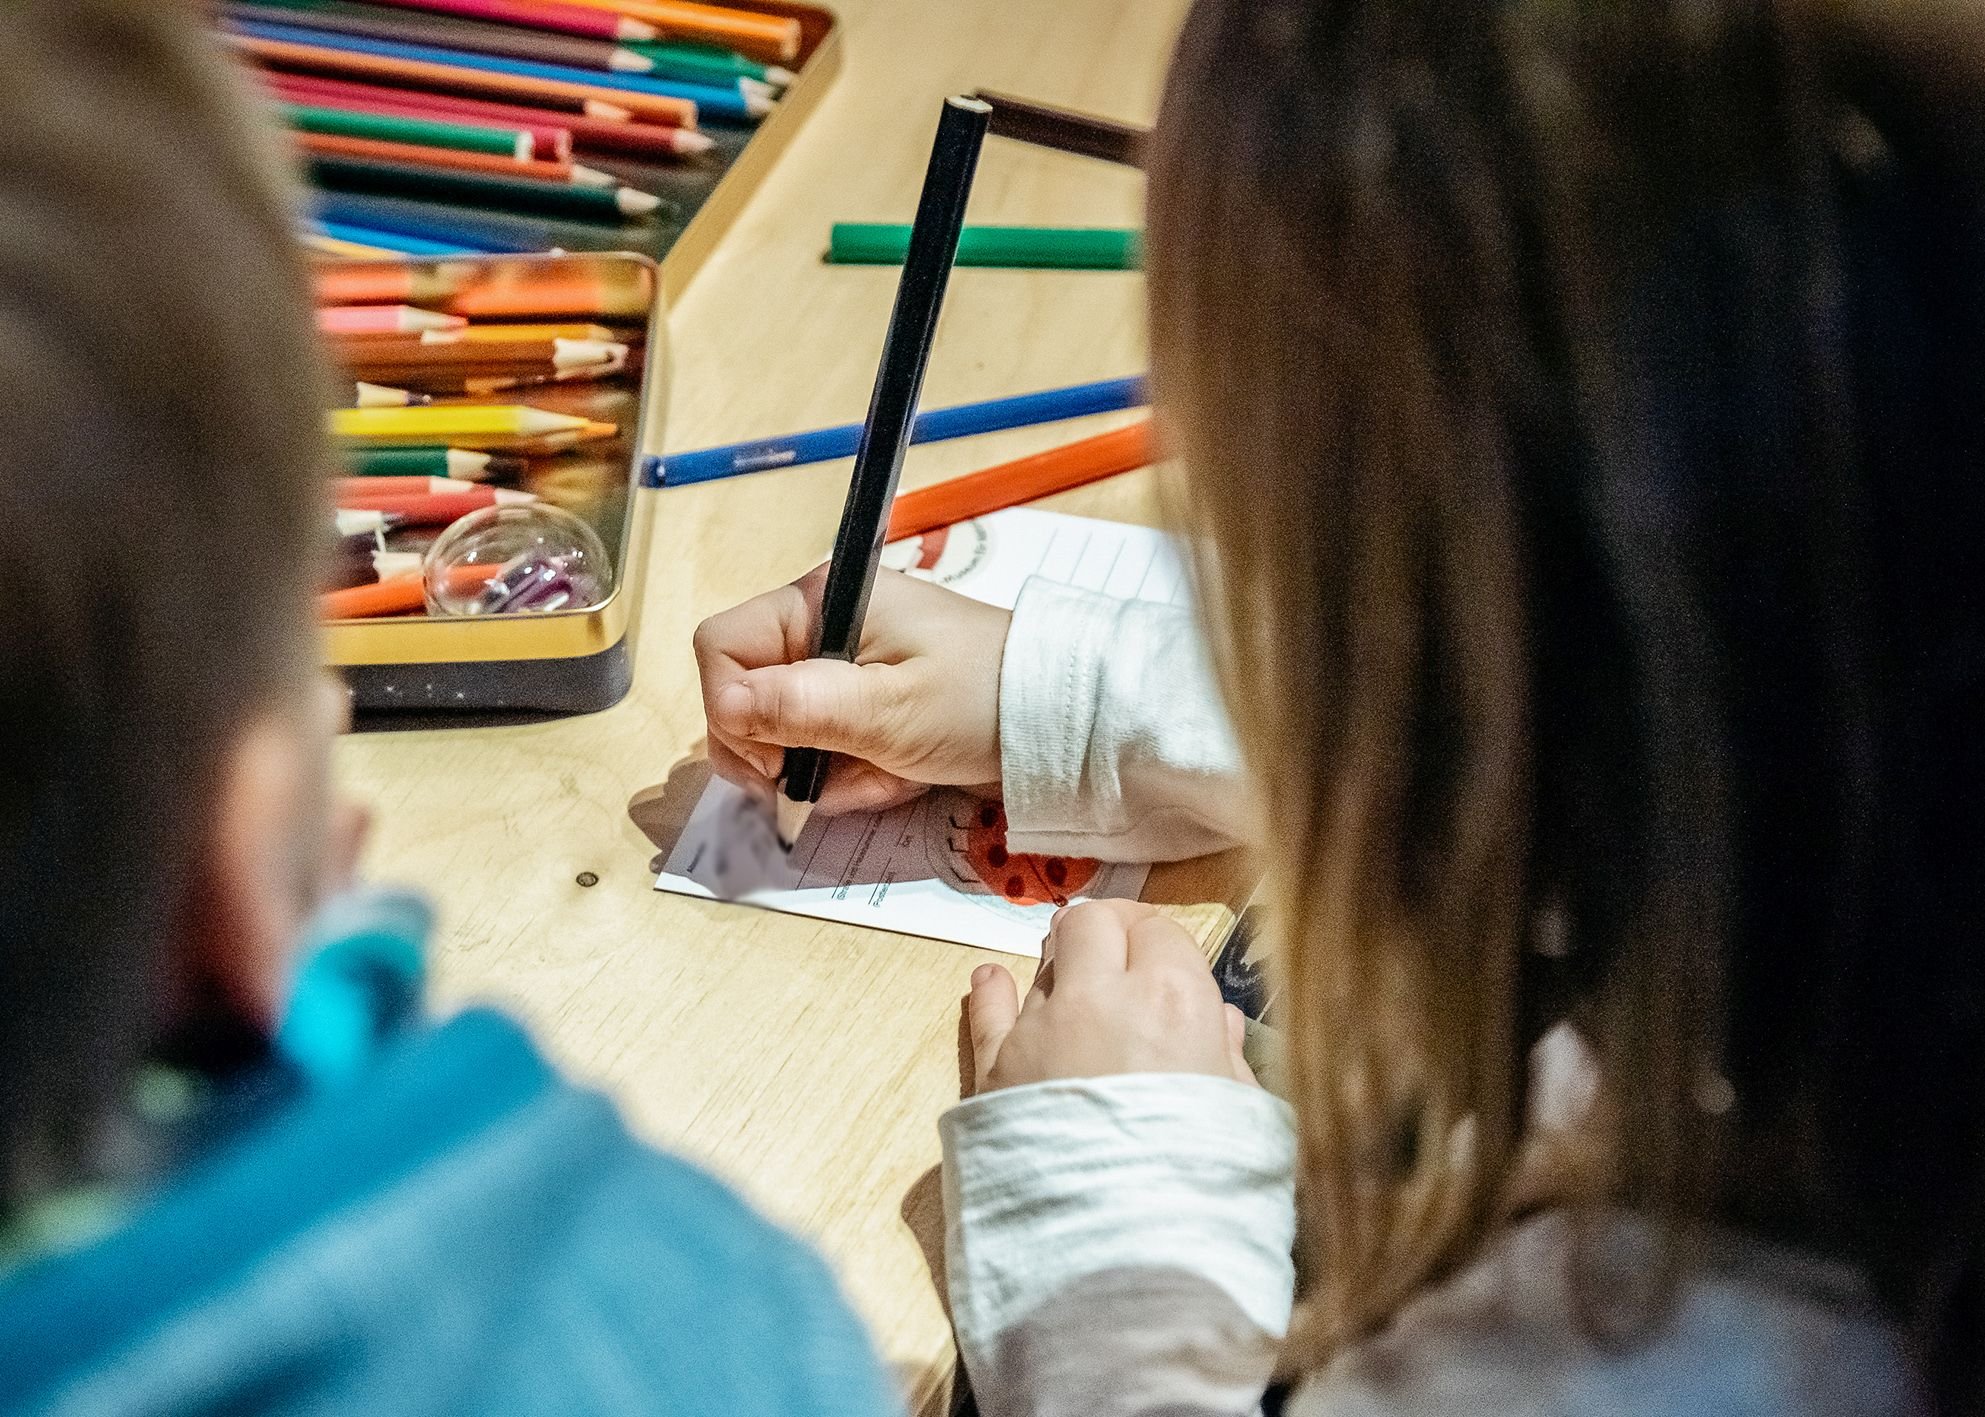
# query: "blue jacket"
(456, 1229)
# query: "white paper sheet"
(936, 866)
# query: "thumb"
(1237, 1038)
(817, 703)
(991, 1010)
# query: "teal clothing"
(451, 1228)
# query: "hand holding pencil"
(917, 707)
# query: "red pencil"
(596, 130)
(436, 508)
(539, 15)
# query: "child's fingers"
(733, 767)
(1092, 940)
(991, 1010)
(1237, 1038)
(857, 786)
(818, 703)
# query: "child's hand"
(919, 707)
(1121, 990)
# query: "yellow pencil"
(514, 334)
(447, 426)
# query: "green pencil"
(516, 194)
(1086, 248)
(461, 137)
(460, 463)
(699, 63)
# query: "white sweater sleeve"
(1120, 1245)
(1113, 737)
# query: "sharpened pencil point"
(631, 31)
(781, 78)
(635, 202)
(693, 144)
(584, 176)
(790, 818)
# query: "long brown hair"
(1511, 351)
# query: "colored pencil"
(553, 351)
(443, 228)
(449, 78)
(1087, 248)
(775, 37)
(539, 15)
(1022, 480)
(472, 495)
(1065, 129)
(737, 103)
(522, 194)
(571, 174)
(459, 464)
(523, 334)
(703, 64)
(346, 488)
(324, 244)
(960, 421)
(504, 41)
(426, 426)
(392, 243)
(396, 595)
(602, 128)
(374, 395)
(343, 123)
(546, 290)
(438, 510)
(385, 319)
(899, 378)
(549, 141)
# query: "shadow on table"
(662, 811)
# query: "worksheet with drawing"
(937, 866)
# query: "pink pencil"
(594, 130)
(540, 15)
(383, 320)
(550, 140)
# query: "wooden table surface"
(805, 1062)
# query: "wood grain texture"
(805, 1062)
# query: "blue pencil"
(389, 240)
(960, 421)
(732, 102)
(380, 214)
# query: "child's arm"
(1098, 719)
(1118, 1194)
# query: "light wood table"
(805, 1062)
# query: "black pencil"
(954, 157)
(1065, 130)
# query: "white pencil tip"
(693, 144)
(636, 31)
(635, 202)
(626, 61)
(758, 104)
(584, 176)
(783, 78)
(513, 497)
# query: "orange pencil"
(378, 150)
(319, 59)
(751, 32)
(396, 595)
(1022, 480)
